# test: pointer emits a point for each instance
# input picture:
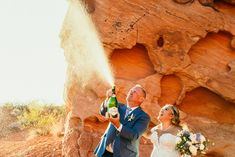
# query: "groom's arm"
(139, 128)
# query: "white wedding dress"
(163, 146)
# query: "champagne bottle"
(113, 104)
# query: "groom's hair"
(142, 90)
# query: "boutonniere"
(131, 117)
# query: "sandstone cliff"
(181, 51)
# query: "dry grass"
(42, 118)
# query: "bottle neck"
(113, 89)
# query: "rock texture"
(181, 51)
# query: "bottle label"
(113, 111)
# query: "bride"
(163, 136)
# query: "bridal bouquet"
(191, 144)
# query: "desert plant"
(35, 115)
(41, 117)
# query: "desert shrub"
(8, 119)
(7, 106)
(41, 117)
(34, 115)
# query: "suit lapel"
(135, 113)
(122, 113)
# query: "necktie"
(128, 110)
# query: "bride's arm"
(150, 131)
(147, 134)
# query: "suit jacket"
(126, 142)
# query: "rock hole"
(160, 41)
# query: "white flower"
(193, 138)
(178, 139)
(191, 134)
(193, 149)
(179, 133)
(202, 138)
(185, 127)
(202, 146)
(131, 117)
(193, 143)
(189, 143)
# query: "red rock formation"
(131, 64)
(182, 54)
(170, 89)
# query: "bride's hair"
(176, 114)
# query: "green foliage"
(37, 115)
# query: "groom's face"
(135, 96)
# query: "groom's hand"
(108, 93)
(115, 121)
(101, 118)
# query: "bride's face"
(165, 114)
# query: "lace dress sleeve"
(154, 135)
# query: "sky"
(32, 64)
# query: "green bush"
(40, 116)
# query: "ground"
(20, 144)
(25, 131)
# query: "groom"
(121, 138)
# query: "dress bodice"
(164, 145)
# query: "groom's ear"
(141, 99)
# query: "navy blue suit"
(126, 142)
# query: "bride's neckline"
(161, 132)
(161, 127)
(167, 133)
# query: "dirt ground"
(20, 144)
